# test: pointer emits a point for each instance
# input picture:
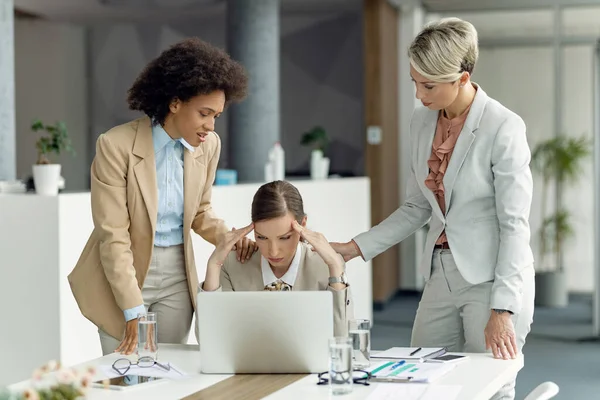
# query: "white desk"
(481, 376)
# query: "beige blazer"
(113, 265)
(488, 197)
(313, 274)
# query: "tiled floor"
(553, 350)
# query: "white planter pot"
(46, 179)
(551, 289)
(319, 165)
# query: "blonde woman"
(470, 178)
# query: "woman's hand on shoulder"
(230, 240)
(320, 244)
(348, 250)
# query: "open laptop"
(264, 332)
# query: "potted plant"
(53, 381)
(46, 176)
(318, 140)
(559, 161)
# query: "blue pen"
(399, 363)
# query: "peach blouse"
(446, 135)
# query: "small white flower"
(65, 376)
(53, 365)
(37, 374)
(86, 380)
(31, 394)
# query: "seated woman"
(283, 261)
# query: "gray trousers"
(165, 292)
(453, 312)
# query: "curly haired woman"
(151, 183)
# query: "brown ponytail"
(275, 200)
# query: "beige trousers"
(453, 312)
(165, 292)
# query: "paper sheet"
(157, 372)
(401, 370)
(404, 353)
(414, 391)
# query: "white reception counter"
(41, 239)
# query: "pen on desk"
(415, 352)
(398, 364)
(390, 365)
(395, 380)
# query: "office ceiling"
(448, 6)
(102, 10)
(80, 10)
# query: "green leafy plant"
(558, 160)
(316, 138)
(56, 140)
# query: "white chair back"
(544, 391)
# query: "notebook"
(417, 354)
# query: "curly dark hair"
(186, 69)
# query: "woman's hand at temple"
(217, 258)
(321, 246)
(328, 254)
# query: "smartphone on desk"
(447, 358)
(126, 382)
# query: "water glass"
(147, 337)
(340, 365)
(359, 331)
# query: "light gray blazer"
(488, 198)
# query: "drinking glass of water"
(340, 365)
(147, 343)
(359, 330)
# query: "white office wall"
(507, 24)
(577, 102)
(51, 84)
(510, 76)
(581, 21)
(522, 79)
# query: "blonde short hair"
(445, 49)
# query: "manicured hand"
(245, 248)
(129, 343)
(348, 250)
(227, 243)
(500, 336)
(320, 245)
